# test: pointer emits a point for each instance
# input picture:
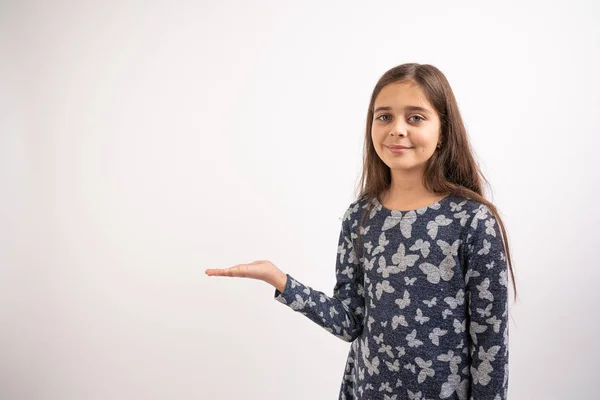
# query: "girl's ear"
(440, 141)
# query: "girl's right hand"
(263, 270)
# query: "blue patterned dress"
(424, 304)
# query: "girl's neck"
(407, 197)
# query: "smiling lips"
(399, 149)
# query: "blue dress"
(424, 302)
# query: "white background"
(144, 142)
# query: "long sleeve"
(342, 314)
(487, 295)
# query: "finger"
(240, 270)
(216, 272)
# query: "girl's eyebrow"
(408, 108)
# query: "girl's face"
(403, 116)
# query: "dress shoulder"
(353, 210)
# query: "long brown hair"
(452, 169)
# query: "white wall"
(144, 142)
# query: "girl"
(422, 285)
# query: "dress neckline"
(435, 204)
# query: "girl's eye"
(386, 115)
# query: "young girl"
(422, 285)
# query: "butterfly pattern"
(423, 302)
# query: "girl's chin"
(405, 166)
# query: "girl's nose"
(399, 128)
(398, 132)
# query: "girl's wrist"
(279, 280)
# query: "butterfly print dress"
(424, 302)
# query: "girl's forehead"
(402, 95)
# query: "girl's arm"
(342, 314)
(487, 299)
